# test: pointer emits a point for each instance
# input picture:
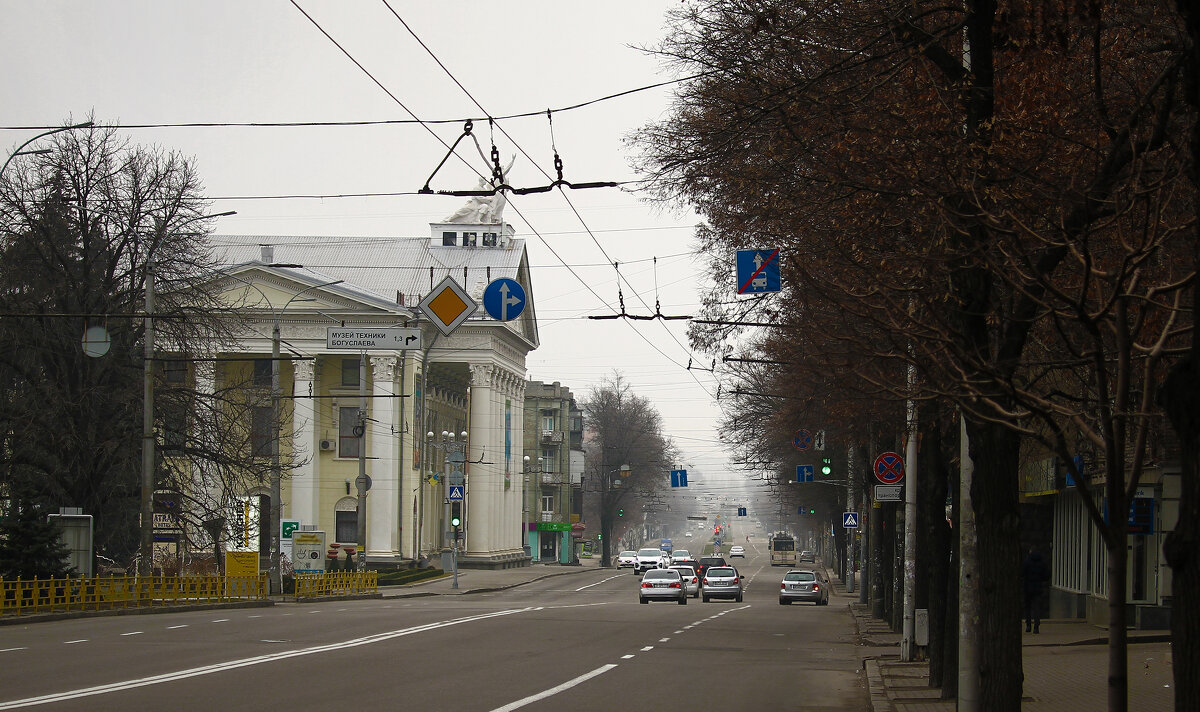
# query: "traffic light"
(812, 510)
(456, 514)
(621, 512)
(826, 466)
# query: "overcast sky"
(233, 61)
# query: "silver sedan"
(804, 586)
(691, 581)
(662, 585)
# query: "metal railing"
(336, 583)
(99, 593)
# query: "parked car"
(681, 556)
(707, 561)
(649, 559)
(721, 582)
(807, 555)
(737, 551)
(662, 585)
(804, 586)
(627, 559)
(691, 582)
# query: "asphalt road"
(580, 642)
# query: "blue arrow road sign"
(757, 271)
(456, 493)
(504, 299)
(679, 478)
(850, 520)
(804, 473)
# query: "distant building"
(553, 495)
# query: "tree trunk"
(933, 554)
(1118, 638)
(877, 548)
(995, 451)
(1180, 397)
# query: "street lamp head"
(446, 435)
(463, 434)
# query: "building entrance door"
(549, 549)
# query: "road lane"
(579, 641)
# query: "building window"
(262, 372)
(262, 435)
(350, 372)
(345, 527)
(489, 239)
(469, 239)
(264, 523)
(547, 421)
(174, 427)
(547, 503)
(175, 371)
(449, 239)
(349, 445)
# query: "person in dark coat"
(1034, 575)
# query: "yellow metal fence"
(336, 583)
(109, 592)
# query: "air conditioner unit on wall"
(327, 445)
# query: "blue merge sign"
(504, 299)
(758, 271)
(679, 478)
(456, 493)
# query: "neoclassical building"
(472, 380)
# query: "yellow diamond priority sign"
(447, 306)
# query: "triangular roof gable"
(256, 285)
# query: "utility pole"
(968, 578)
(850, 507)
(907, 638)
(146, 546)
(361, 483)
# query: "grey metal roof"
(383, 266)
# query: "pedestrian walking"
(1034, 575)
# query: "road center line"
(556, 689)
(243, 662)
(9, 650)
(648, 647)
(72, 642)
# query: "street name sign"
(366, 337)
(888, 493)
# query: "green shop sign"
(554, 526)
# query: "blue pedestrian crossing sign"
(758, 271)
(850, 520)
(804, 473)
(679, 478)
(456, 493)
(504, 299)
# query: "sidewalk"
(1065, 667)
(484, 580)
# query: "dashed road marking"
(72, 642)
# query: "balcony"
(553, 478)
(552, 436)
(547, 516)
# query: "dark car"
(707, 561)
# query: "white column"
(206, 489)
(304, 502)
(483, 483)
(383, 501)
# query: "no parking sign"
(889, 468)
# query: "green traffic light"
(456, 522)
(826, 466)
(620, 512)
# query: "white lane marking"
(626, 657)
(556, 689)
(610, 578)
(648, 647)
(663, 640)
(242, 662)
(9, 650)
(72, 642)
(259, 616)
(678, 632)
(221, 620)
(312, 612)
(578, 605)
(136, 632)
(173, 627)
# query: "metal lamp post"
(19, 152)
(455, 455)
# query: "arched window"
(345, 521)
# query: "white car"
(681, 556)
(737, 551)
(650, 559)
(627, 559)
